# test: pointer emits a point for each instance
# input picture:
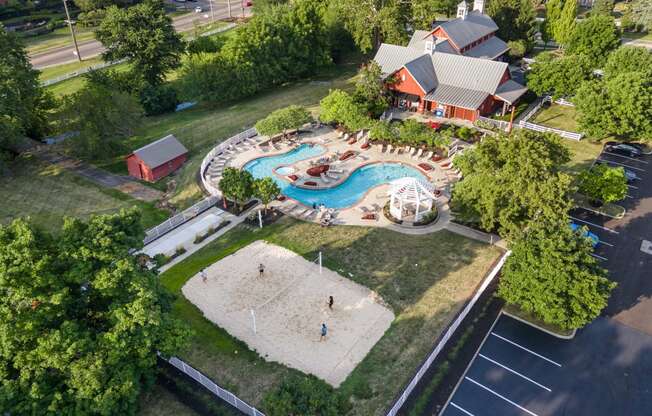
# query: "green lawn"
(58, 70)
(583, 153)
(160, 402)
(56, 39)
(424, 279)
(557, 116)
(47, 193)
(73, 85)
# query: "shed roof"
(510, 91)
(473, 27)
(489, 49)
(161, 151)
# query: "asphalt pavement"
(93, 48)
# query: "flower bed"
(316, 171)
(347, 155)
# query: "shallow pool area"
(343, 195)
(285, 170)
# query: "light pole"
(72, 30)
(210, 2)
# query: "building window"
(402, 77)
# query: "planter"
(317, 171)
(425, 167)
(347, 155)
(310, 183)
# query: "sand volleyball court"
(290, 302)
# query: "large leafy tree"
(284, 119)
(340, 107)
(237, 185)
(80, 320)
(603, 7)
(90, 5)
(143, 34)
(102, 116)
(629, 59)
(266, 190)
(23, 103)
(594, 38)
(371, 22)
(603, 183)
(370, 89)
(559, 77)
(424, 12)
(515, 19)
(553, 13)
(552, 275)
(510, 180)
(563, 26)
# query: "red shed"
(157, 159)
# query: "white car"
(198, 9)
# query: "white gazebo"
(410, 198)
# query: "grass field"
(424, 279)
(557, 116)
(56, 39)
(47, 193)
(73, 85)
(58, 70)
(583, 153)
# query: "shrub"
(160, 259)
(288, 118)
(305, 395)
(158, 99)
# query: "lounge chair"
(308, 213)
(332, 176)
(413, 151)
(419, 153)
(390, 148)
(300, 212)
(369, 216)
(336, 170)
(362, 209)
(324, 178)
(428, 155)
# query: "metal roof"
(457, 96)
(418, 39)
(489, 49)
(391, 58)
(423, 72)
(161, 151)
(473, 27)
(510, 91)
(470, 73)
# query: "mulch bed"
(316, 171)
(234, 208)
(270, 217)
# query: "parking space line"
(502, 397)
(596, 225)
(599, 257)
(626, 157)
(605, 243)
(632, 186)
(621, 164)
(466, 412)
(525, 349)
(629, 196)
(515, 372)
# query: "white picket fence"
(212, 189)
(211, 386)
(563, 133)
(441, 343)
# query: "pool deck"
(374, 199)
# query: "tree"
(552, 275)
(370, 89)
(559, 77)
(641, 13)
(102, 117)
(553, 14)
(510, 180)
(515, 20)
(288, 118)
(619, 105)
(80, 320)
(414, 132)
(23, 103)
(603, 184)
(629, 59)
(90, 5)
(143, 34)
(603, 7)
(424, 12)
(237, 185)
(158, 99)
(594, 38)
(305, 395)
(266, 190)
(381, 130)
(564, 26)
(517, 49)
(339, 107)
(372, 22)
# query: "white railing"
(79, 72)
(441, 343)
(563, 133)
(210, 188)
(501, 124)
(211, 386)
(562, 101)
(179, 219)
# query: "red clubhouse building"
(453, 71)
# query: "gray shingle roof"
(391, 58)
(423, 72)
(161, 151)
(464, 31)
(510, 91)
(489, 49)
(457, 96)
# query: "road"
(93, 48)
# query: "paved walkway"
(101, 177)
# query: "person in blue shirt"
(324, 332)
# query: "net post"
(320, 262)
(253, 319)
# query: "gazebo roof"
(412, 189)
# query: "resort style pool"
(342, 196)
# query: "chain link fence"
(79, 72)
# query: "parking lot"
(606, 368)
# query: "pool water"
(344, 195)
(285, 170)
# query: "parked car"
(198, 9)
(594, 238)
(623, 149)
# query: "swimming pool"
(344, 195)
